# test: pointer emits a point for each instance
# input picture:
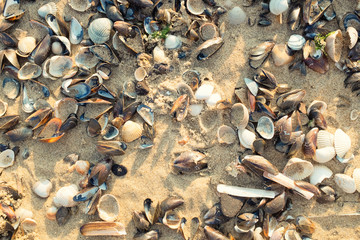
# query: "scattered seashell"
(236, 16)
(108, 208)
(245, 192)
(195, 7)
(195, 109)
(298, 169)
(146, 113)
(246, 138)
(19, 134)
(345, 182)
(281, 55)
(82, 167)
(42, 188)
(172, 220)
(208, 31)
(239, 115)
(80, 5)
(26, 45)
(265, 127)
(44, 10)
(103, 229)
(351, 37)
(296, 42)
(252, 86)
(320, 172)
(7, 158)
(3, 107)
(29, 225)
(213, 99)
(226, 134)
(29, 71)
(140, 74)
(325, 154)
(354, 114)
(76, 31)
(172, 42)
(342, 143)
(99, 30)
(160, 56)
(356, 177)
(64, 196)
(189, 161)
(51, 213)
(324, 139)
(11, 88)
(277, 7)
(208, 48)
(204, 91)
(131, 131)
(334, 45)
(305, 225)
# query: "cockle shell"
(324, 139)
(246, 138)
(204, 91)
(296, 42)
(42, 188)
(325, 154)
(7, 158)
(82, 167)
(278, 6)
(298, 169)
(239, 115)
(26, 45)
(99, 30)
(356, 177)
(345, 182)
(108, 208)
(342, 143)
(320, 172)
(131, 131)
(80, 5)
(64, 196)
(226, 134)
(49, 7)
(334, 45)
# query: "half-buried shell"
(108, 208)
(131, 131)
(226, 134)
(298, 169)
(345, 182)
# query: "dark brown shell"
(309, 146)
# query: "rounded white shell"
(28, 225)
(23, 213)
(213, 99)
(296, 42)
(319, 174)
(226, 134)
(42, 188)
(204, 91)
(298, 169)
(356, 177)
(345, 182)
(325, 154)
(64, 196)
(278, 6)
(239, 115)
(252, 86)
(82, 167)
(26, 45)
(246, 138)
(131, 131)
(236, 16)
(140, 74)
(7, 158)
(172, 42)
(108, 208)
(99, 30)
(195, 7)
(342, 143)
(265, 127)
(51, 213)
(195, 109)
(352, 36)
(44, 10)
(324, 139)
(159, 55)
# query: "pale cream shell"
(345, 182)
(298, 169)
(7, 158)
(334, 45)
(320, 172)
(131, 131)
(351, 36)
(342, 143)
(29, 225)
(42, 188)
(108, 208)
(226, 134)
(278, 6)
(246, 138)
(195, 7)
(82, 167)
(324, 139)
(26, 45)
(356, 177)
(325, 154)
(280, 55)
(99, 30)
(140, 74)
(51, 213)
(239, 115)
(204, 91)
(64, 196)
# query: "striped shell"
(319, 174)
(345, 182)
(325, 154)
(324, 139)
(131, 131)
(99, 30)
(356, 177)
(342, 143)
(296, 42)
(298, 169)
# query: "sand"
(149, 174)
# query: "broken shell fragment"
(298, 169)
(351, 37)
(7, 158)
(345, 182)
(281, 55)
(245, 192)
(108, 208)
(11, 88)
(204, 91)
(305, 225)
(189, 161)
(42, 188)
(171, 219)
(49, 7)
(325, 154)
(111, 148)
(226, 134)
(103, 229)
(342, 143)
(319, 173)
(334, 45)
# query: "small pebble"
(25, 154)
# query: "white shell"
(172, 42)
(245, 192)
(204, 91)
(298, 169)
(131, 131)
(252, 86)
(82, 167)
(265, 127)
(342, 143)
(296, 42)
(325, 154)
(51, 213)
(334, 45)
(28, 224)
(23, 213)
(195, 7)
(195, 109)
(226, 134)
(352, 36)
(278, 6)
(159, 55)
(356, 177)
(26, 45)
(108, 208)
(7, 158)
(246, 138)
(64, 196)
(345, 182)
(324, 139)
(236, 16)
(3, 107)
(319, 174)
(99, 30)
(44, 10)
(42, 188)
(213, 99)
(140, 74)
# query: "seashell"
(111, 133)
(317, 105)
(324, 139)
(267, 79)
(44, 10)
(28, 225)
(195, 7)
(108, 208)
(172, 42)
(246, 138)
(140, 221)
(345, 182)
(265, 127)
(245, 192)
(160, 56)
(146, 113)
(19, 134)
(298, 169)
(82, 167)
(277, 7)
(11, 88)
(111, 148)
(64, 196)
(104, 53)
(171, 203)
(29, 71)
(60, 45)
(208, 48)
(319, 173)
(208, 31)
(41, 51)
(226, 134)
(212, 233)
(189, 161)
(56, 25)
(351, 37)
(213, 99)
(296, 42)
(140, 74)
(3, 107)
(204, 91)
(42, 188)
(103, 229)
(131, 131)
(195, 109)
(327, 194)
(50, 133)
(252, 86)
(8, 40)
(51, 213)
(309, 146)
(236, 16)
(276, 205)
(85, 58)
(342, 143)
(305, 225)
(134, 42)
(325, 154)
(281, 55)
(25, 46)
(23, 213)
(58, 66)
(334, 45)
(76, 31)
(239, 115)
(308, 187)
(80, 5)
(256, 162)
(356, 177)
(99, 30)
(172, 220)
(260, 53)
(64, 107)
(7, 158)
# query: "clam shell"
(7, 158)
(195, 7)
(318, 105)
(23, 213)
(131, 131)
(59, 66)
(351, 37)
(26, 45)
(99, 30)
(44, 10)
(11, 88)
(76, 31)
(320, 172)
(204, 91)
(236, 16)
(172, 42)
(65, 107)
(246, 138)
(324, 139)
(334, 45)
(51, 213)
(277, 7)
(265, 127)
(298, 169)
(213, 99)
(80, 5)
(324, 155)
(296, 42)
(29, 71)
(252, 86)
(208, 31)
(64, 196)
(342, 143)
(28, 225)
(159, 55)
(3, 107)
(108, 208)
(239, 115)
(195, 109)
(280, 55)
(140, 74)
(42, 188)
(345, 182)
(356, 177)
(82, 167)
(226, 134)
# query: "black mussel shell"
(118, 170)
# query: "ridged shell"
(356, 177)
(324, 139)
(239, 115)
(64, 196)
(334, 45)
(342, 143)
(320, 172)
(80, 5)
(226, 134)
(265, 127)
(246, 138)
(324, 155)
(345, 182)
(42, 188)
(26, 45)
(278, 6)
(47, 8)
(131, 131)
(298, 169)
(7, 158)
(296, 42)
(280, 55)
(108, 208)
(99, 30)
(352, 36)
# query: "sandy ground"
(149, 174)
